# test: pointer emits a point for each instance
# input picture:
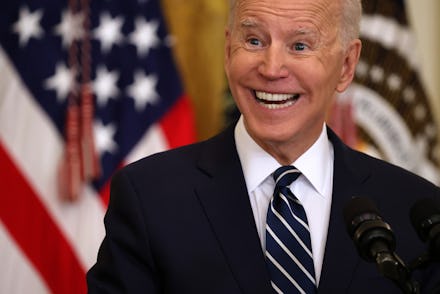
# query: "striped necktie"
(288, 246)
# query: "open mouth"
(276, 101)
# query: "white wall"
(425, 20)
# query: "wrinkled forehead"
(325, 11)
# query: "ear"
(349, 65)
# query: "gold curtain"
(198, 28)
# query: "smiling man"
(285, 60)
(258, 208)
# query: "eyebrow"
(249, 23)
(304, 31)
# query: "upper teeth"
(273, 97)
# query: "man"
(198, 219)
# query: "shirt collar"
(257, 164)
(316, 164)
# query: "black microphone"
(425, 218)
(366, 228)
(375, 242)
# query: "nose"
(274, 63)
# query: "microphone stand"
(393, 268)
(389, 264)
(422, 262)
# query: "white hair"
(350, 19)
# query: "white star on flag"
(143, 90)
(70, 28)
(104, 137)
(28, 25)
(144, 36)
(109, 31)
(62, 81)
(105, 85)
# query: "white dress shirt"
(313, 188)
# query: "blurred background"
(89, 86)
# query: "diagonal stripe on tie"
(288, 246)
(292, 231)
(291, 255)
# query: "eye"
(254, 42)
(300, 46)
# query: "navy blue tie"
(288, 246)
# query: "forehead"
(319, 12)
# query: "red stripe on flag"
(179, 129)
(178, 123)
(105, 193)
(35, 232)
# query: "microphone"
(425, 218)
(366, 228)
(375, 242)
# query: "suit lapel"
(225, 200)
(340, 258)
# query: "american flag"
(53, 54)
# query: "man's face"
(284, 62)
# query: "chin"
(273, 135)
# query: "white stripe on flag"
(36, 148)
(152, 141)
(17, 275)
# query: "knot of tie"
(285, 175)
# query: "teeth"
(273, 97)
(276, 101)
(277, 106)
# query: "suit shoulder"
(376, 170)
(183, 159)
(172, 158)
(391, 173)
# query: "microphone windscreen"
(421, 213)
(357, 210)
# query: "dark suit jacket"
(181, 222)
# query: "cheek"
(238, 63)
(318, 78)
(241, 71)
(242, 60)
(232, 68)
(332, 68)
